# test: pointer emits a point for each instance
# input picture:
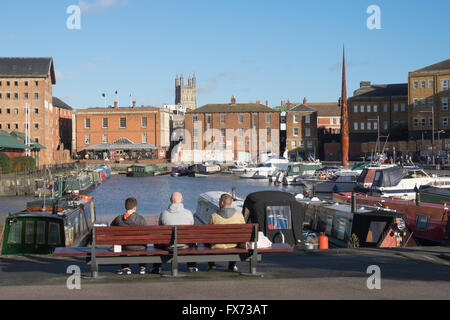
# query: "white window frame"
(362, 108)
(295, 132)
(375, 108)
(86, 122)
(444, 104)
(87, 139)
(444, 84)
(369, 126)
(355, 126)
(307, 118)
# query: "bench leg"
(252, 263)
(94, 271)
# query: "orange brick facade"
(100, 126)
(37, 93)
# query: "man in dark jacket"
(130, 218)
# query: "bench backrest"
(204, 234)
(231, 233)
(138, 235)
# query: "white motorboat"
(398, 181)
(299, 170)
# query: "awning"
(122, 144)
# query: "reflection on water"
(153, 193)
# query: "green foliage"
(5, 163)
(18, 164)
(21, 164)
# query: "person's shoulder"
(116, 220)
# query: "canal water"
(153, 193)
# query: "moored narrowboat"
(59, 223)
(139, 170)
(428, 221)
(350, 225)
(79, 185)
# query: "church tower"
(186, 94)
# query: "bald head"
(225, 201)
(176, 198)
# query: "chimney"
(258, 102)
(116, 104)
(304, 100)
(233, 100)
(267, 103)
(134, 104)
(364, 84)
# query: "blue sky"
(257, 50)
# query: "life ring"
(322, 175)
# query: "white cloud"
(99, 5)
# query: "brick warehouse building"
(29, 81)
(138, 125)
(377, 108)
(229, 132)
(301, 132)
(428, 94)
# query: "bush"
(20, 164)
(5, 163)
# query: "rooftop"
(440, 66)
(9, 142)
(381, 90)
(27, 67)
(232, 108)
(60, 104)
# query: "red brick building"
(28, 82)
(229, 132)
(140, 125)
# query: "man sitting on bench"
(130, 218)
(226, 215)
(175, 215)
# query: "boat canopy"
(389, 177)
(278, 214)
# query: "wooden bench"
(201, 236)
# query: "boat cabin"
(278, 215)
(58, 223)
